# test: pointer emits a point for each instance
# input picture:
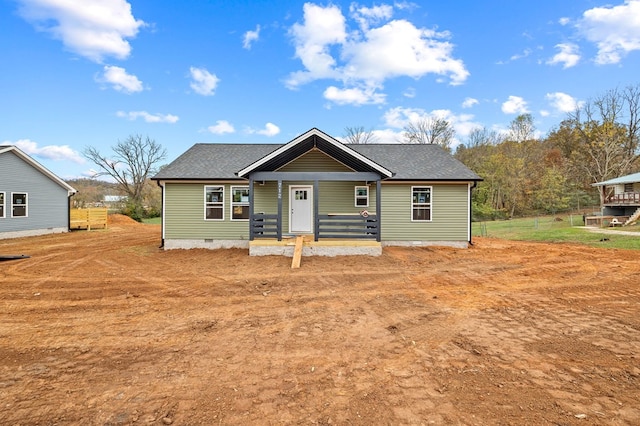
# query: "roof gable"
(33, 163)
(314, 139)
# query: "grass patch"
(557, 229)
(152, 221)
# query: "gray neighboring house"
(344, 199)
(33, 200)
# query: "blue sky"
(91, 73)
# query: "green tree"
(552, 193)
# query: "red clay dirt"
(105, 328)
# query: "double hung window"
(1, 205)
(362, 196)
(18, 204)
(214, 202)
(420, 203)
(239, 203)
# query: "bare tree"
(481, 136)
(522, 128)
(608, 134)
(358, 135)
(430, 130)
(133, 161)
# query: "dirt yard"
(104, 328)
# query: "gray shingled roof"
(417, 161)
(407, 161)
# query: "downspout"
(70, 194)
(161, 185)
(475, 183)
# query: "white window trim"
(430, 204)
(3, 204)
(356, 198)
(26, 205)
(238, 203)
(219, 202)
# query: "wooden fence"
(88, 218)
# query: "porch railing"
(624, 198)
(348, 226)
(265, 226)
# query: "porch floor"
(324, 247)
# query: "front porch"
(324, 247)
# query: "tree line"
(524, 174)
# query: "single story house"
(33, 200)
(345, 198)
(620, 200)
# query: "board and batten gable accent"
(47, 201)
(314, 161)
(449, 214)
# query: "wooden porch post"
(279, 231)
(316, 219)
(379, 209)
(251, 223)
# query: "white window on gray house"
(1, 205)
(214, 202)
(18, 204)
(239, 203)
(420, 203)
(362, 196)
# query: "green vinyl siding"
(184, 214)
(449, 214)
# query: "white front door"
(301, 211)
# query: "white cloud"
(409, 93)
(367, 16)
(203, 83)
(269, 130)
(221, 127)
(363, 58)
(388, 136)
(615, 30)
(469, 102)
(120, 80)
(250, 37)
(50, 152)
(149, 118)
(94, 29)
(354, 96)
(515, 105)
(562, 102)
(322, 28)
(564, 21)
(568, 55)
(525, 53)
